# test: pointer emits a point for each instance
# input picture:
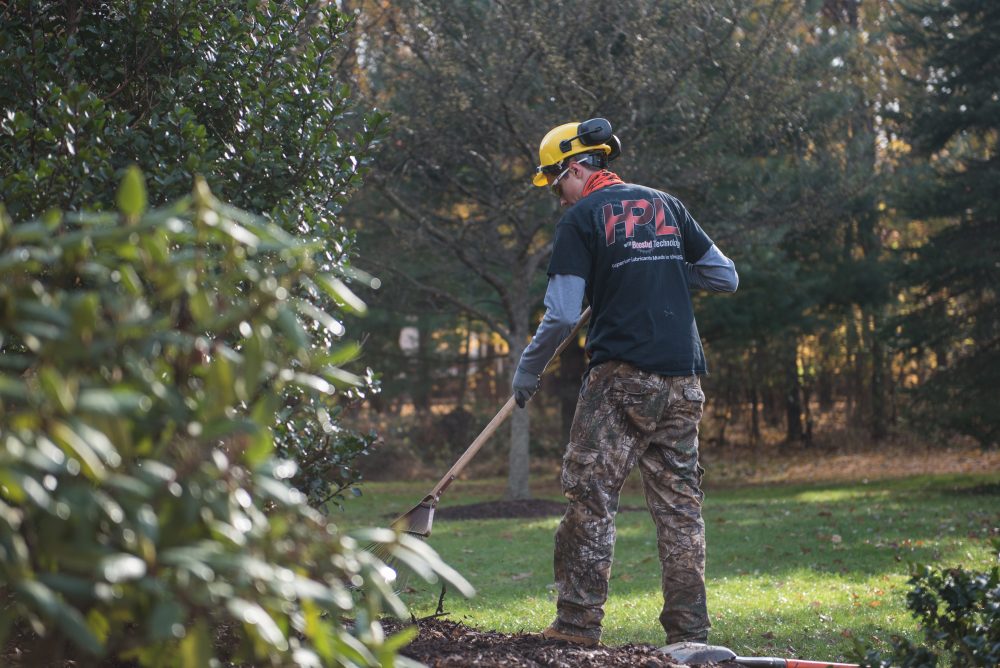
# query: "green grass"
(792, 570)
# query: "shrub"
(959, 611)
(143, 514)
(250, 95)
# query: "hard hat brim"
(541, 180)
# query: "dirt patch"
(493, 510)
(986, 489)
(446, 644)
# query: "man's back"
(631, 243)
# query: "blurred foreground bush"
(143, 516)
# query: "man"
(635, 252)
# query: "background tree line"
(841, 151)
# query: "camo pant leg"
(671, 479)
(616, 415)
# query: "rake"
(419, 519)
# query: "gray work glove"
(525, 385)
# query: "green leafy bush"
(249, 95)
(143, 515)
(959, 611)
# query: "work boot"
(694, 653)
(552, 634)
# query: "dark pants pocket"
(577, 470)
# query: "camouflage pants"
(626, 416)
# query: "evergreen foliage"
(959, 611)
(952, 120)
(244, 94)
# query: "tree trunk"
(825, 379)
(422, 386)
(793, 399)
(773, 405)
(807, 438)
(879, 428)
(571, 368)
(723, 416)
(465, 367)
(855, 374)
(520, 432)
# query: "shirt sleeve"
(696, 241)
(713, 271)
(571, 250)
(563, 299)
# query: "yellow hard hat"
(571, 139)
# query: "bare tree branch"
(445, 296)
(500, 285)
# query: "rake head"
(418, 519)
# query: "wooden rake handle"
(499, 418)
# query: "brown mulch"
(446, 644)
(492, 510)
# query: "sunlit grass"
(792, 570)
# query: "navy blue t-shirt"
(630, 244)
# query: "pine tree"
(952, 120)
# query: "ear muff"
(616, 147)
(590, 133)
(570, 139)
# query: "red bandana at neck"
(601, 179)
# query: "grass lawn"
(793, 570)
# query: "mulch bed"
(446, 644)
(495, 510)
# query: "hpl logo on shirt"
(637, 212)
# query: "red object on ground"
(774, 662)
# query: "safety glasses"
(555, 187)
